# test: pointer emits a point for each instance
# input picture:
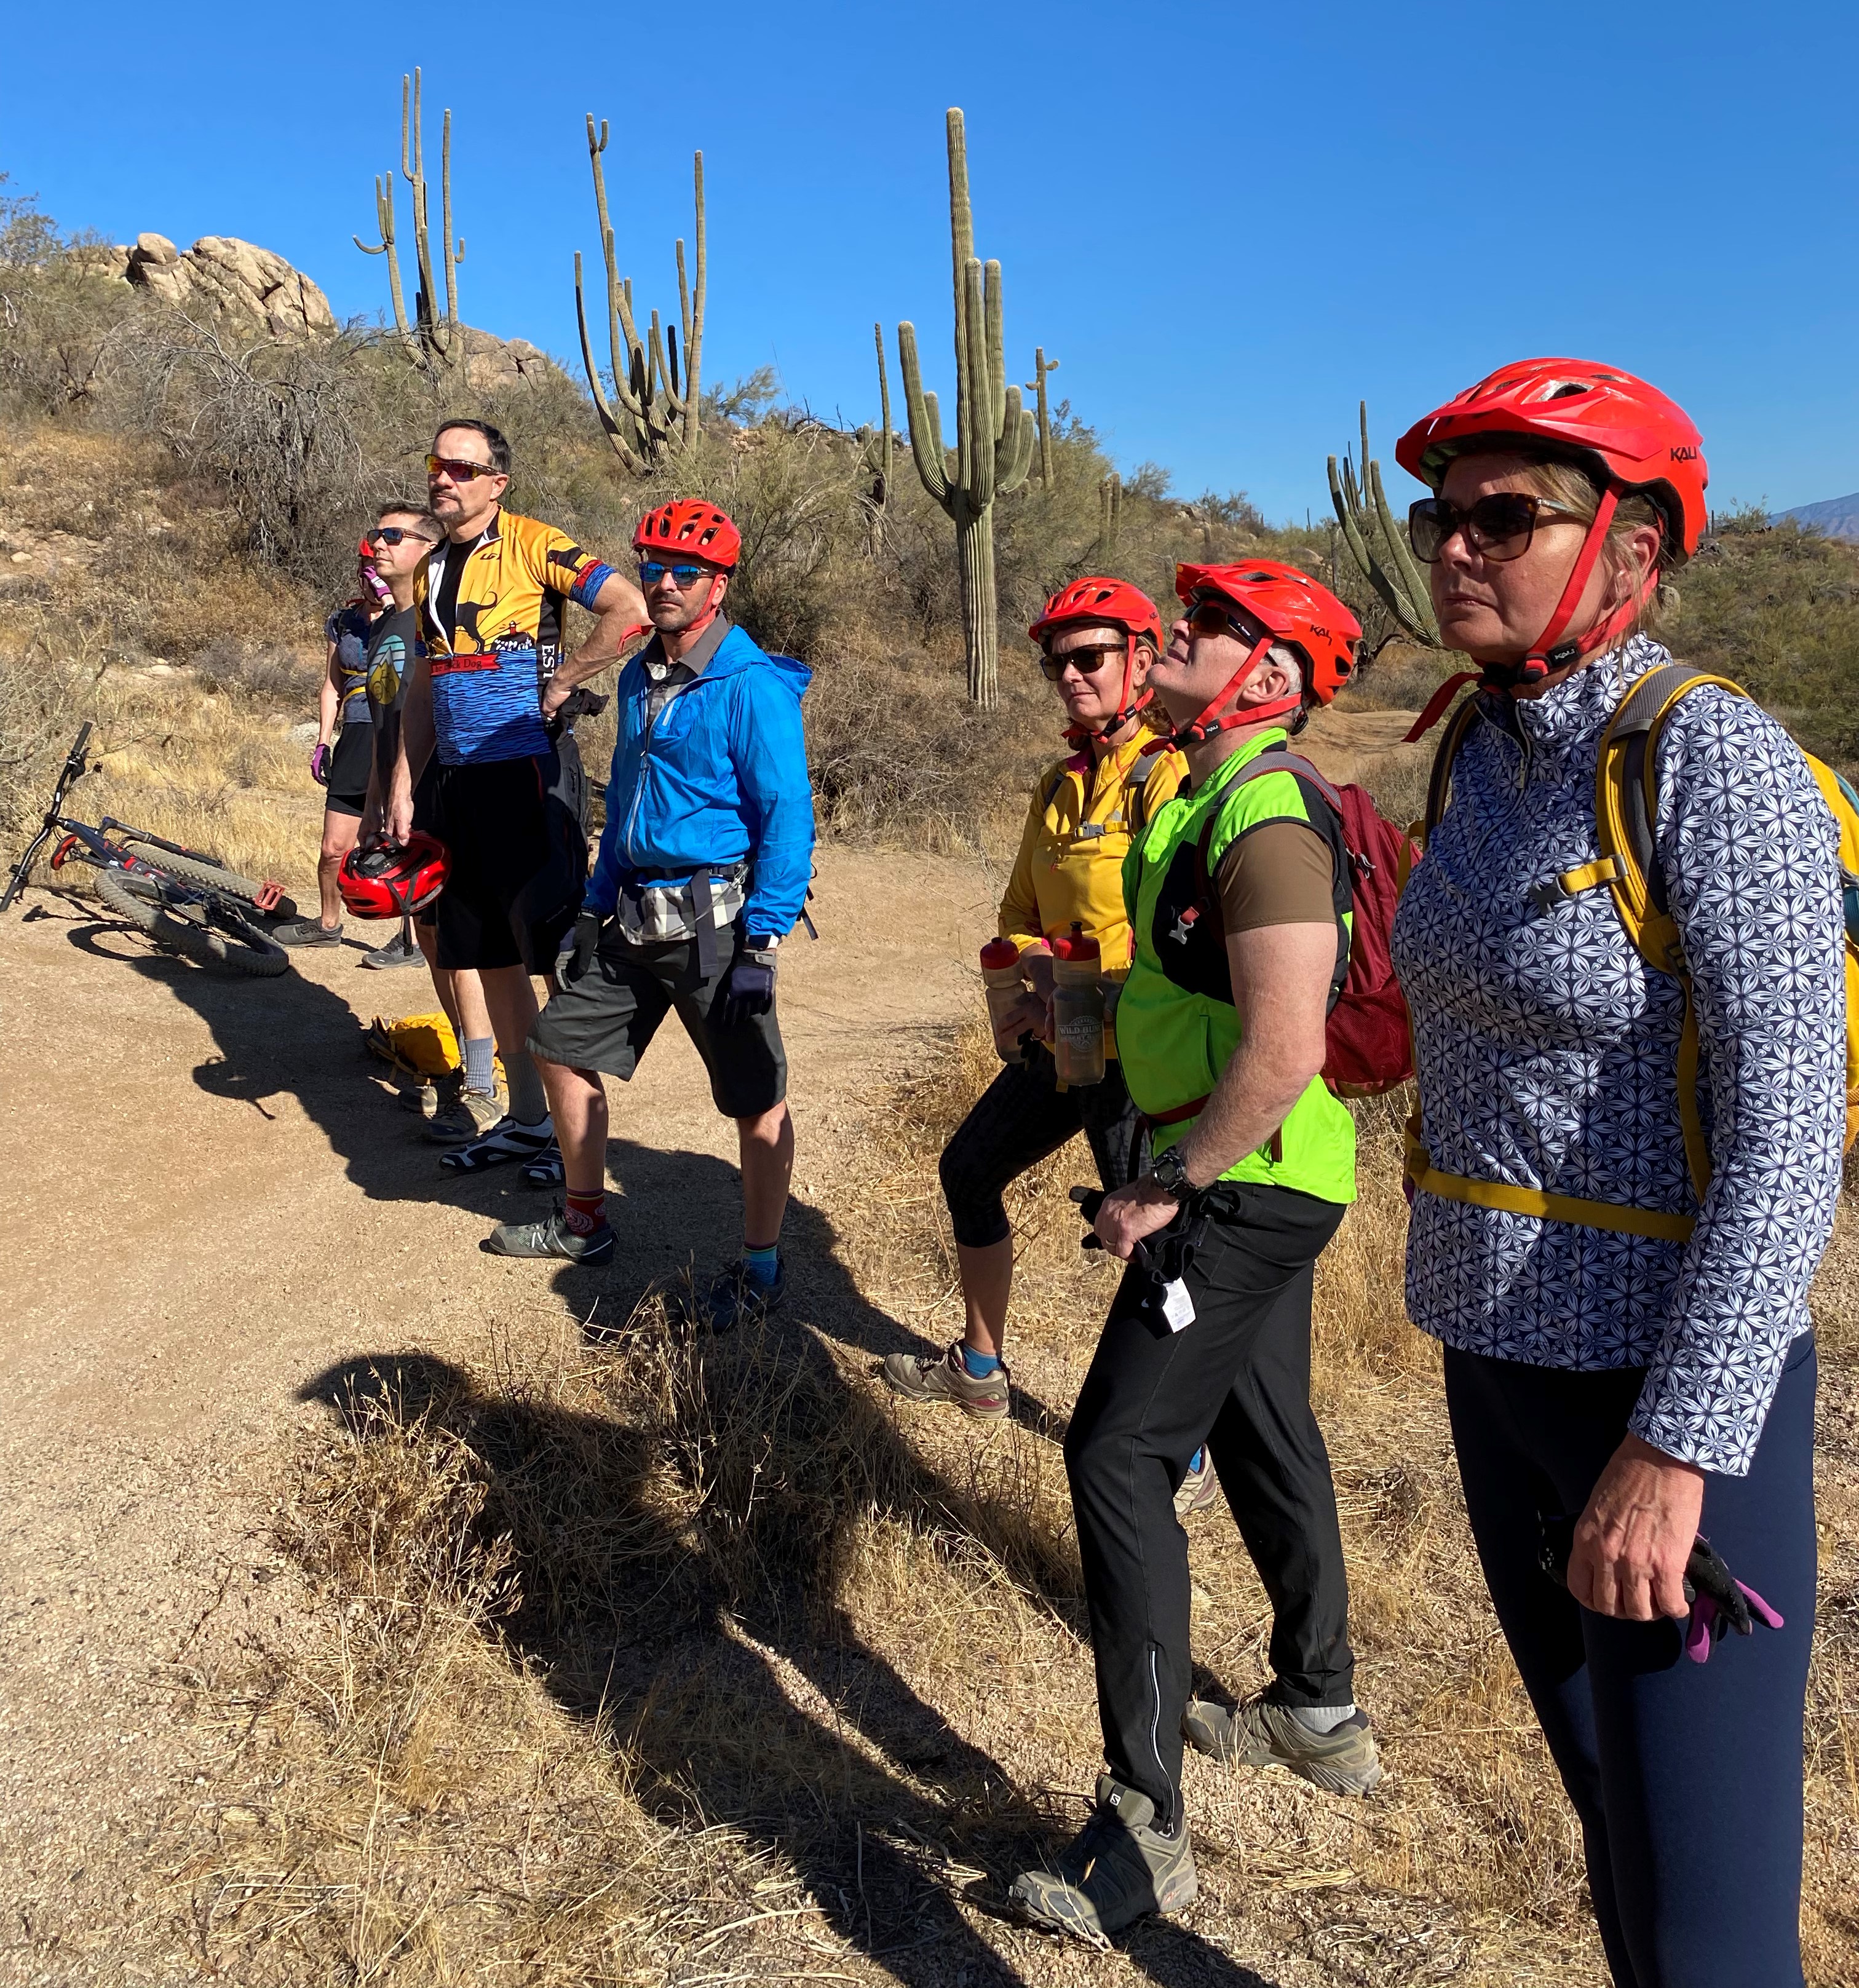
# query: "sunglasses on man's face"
(682, 577)
(391, 535)
(457, 469)
(1207, 616)
(1498, 526)
(1089, 658)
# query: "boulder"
(222, 272)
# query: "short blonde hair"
(1572, 487)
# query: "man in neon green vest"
(1239, 892)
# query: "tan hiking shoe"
(1199, 1490)
(470, 1115)
(1118, 1869)
(919, 1379)
(1260, 1733)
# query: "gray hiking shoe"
(400, 950)
(1118, 1868)
(552, 1237)
(1199, 1490)
(1261, 1734)
(305, 931)
(921, 1378)
(468, 1114)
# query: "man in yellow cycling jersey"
(1099, 638)
(488, 679)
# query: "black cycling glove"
(579, 956)
(750, 988)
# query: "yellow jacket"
(1078, 831)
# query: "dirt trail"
(210, 1203)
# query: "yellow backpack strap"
(1439, 781)
(1626, 809)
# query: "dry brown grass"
(648, 1660)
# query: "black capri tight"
(1021, 1117)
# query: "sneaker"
(734, 1298)
(923, 1377)
(546, 1170)
(1117, 1870)
(552, 1237)
(400, 950)
(469, 1115)
(1260, 1733)
(506, 1140)
(307, 931)
(1199, 1489)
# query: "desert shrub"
(255, 670)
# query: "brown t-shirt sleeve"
(1278, 873)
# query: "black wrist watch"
(1169, 1171)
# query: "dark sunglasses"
(1208, 616)
(1090, 659)
(458, 469)
(391, 535)
(682, 577)
(1498, 527)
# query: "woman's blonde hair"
(1571, 486)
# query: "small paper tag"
(1177, 1306)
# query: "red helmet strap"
(1207, 724)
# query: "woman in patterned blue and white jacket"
(1629, 1372)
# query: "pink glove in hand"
(320, 764)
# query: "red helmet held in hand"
(381, 881)
(1628, 437)
(1097, 598)
(691, 526)
(1290, 607)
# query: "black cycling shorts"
(518, 862)
(605, 1019)
(351, 761)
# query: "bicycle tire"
(209, 875)
(138, 898)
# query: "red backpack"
(1369, 1044)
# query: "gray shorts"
(604, 1020)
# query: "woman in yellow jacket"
(1099, 637)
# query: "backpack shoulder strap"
(1439, 781)
(1274, 760)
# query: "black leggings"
(1021, 1117)
(1237, 1378)
(1687, 1778)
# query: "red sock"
(584, 1213)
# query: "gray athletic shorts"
(604, 1020)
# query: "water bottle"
(1006, 985)
(1078, 1008)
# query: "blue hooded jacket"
(721, 776)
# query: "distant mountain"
(1838, 517)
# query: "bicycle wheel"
(216, 937)
(208, 876)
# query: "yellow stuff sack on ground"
(418, 1045)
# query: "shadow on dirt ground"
(703, 1633)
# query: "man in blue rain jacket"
(703, 872)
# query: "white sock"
(1323, 1718)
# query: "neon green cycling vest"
(1177, 1027)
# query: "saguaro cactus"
(994, 433)
(1362, 511)
(1110, 513)
(656, 410)
(883, 455)
(1041, 366)
(429, 337)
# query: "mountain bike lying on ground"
(188, 903)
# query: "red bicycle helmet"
(382, 881)
(1629, 437)
(1290, 606)
(1097, 598)
(689, 524)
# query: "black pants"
(1021, 1117)
(1237, 1378)
(1687, 1778)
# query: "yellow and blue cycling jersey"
(490, 625)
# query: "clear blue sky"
(1228, 222)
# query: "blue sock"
(764, 1265)
(978, 1366)
(1194, 1461)
(479, 1074)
